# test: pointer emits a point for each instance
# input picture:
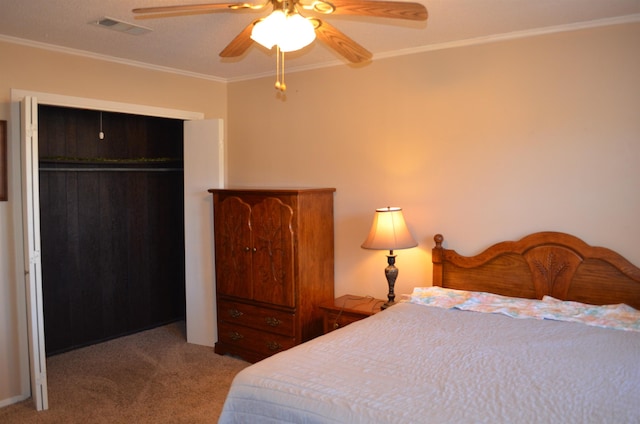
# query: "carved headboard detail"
(552, 270)
(546, 263)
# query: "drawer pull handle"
(274, 346)
(235, 313)
(273, 322)
(236, 336)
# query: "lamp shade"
(389, 231)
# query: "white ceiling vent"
(121, 26)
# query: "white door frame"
(81, 103)
(32, 262)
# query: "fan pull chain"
(277, 67)
(280, 85)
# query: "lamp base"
(387, 304)
(391, 272)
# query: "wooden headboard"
(546, 263)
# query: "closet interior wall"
(112, 224)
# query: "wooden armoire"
(274, 257)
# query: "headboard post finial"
(437, 254)
(438, 238)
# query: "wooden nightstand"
(347, 309)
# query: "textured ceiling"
(191, 43)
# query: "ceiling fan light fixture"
(289, 32)
(267, 31)
(296, 34)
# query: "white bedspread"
(420, 364)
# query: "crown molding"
(514, 35)
(107, 58)
(440, 46)
(463, 43)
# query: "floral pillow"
(439, 297)
(621, 317)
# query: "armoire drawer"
(246, 338)
(256, 317)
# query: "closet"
(112, 224)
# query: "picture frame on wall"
(3, 161)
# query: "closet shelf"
(67, 164)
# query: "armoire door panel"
(271, 223)
(233, 248)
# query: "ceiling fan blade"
(381, 9)
(342, 44)
(240, 44)
(195, 8)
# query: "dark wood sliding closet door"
(112, 224)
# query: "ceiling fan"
(288, 11)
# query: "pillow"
(621, 317)
(438, 296)
(473, 301)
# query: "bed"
(515, 334)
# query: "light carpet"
(154, 376)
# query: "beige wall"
(37, 70)
(481, 143)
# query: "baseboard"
(12, 400)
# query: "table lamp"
(389, 232)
